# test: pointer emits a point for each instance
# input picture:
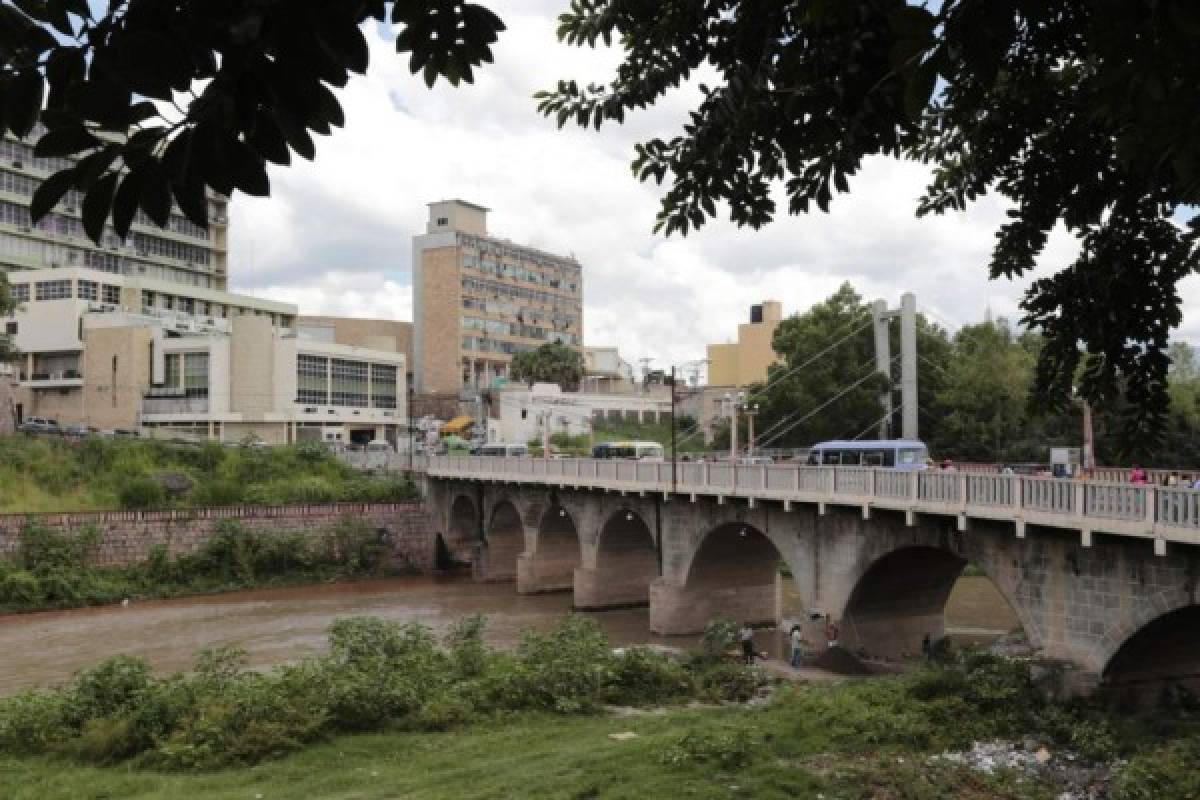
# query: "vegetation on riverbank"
(464, 722)
(378, 675)
(55, 570)
(94, 474)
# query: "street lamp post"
(674, 455)
(409, 409)
(751, 413)
(734, 401)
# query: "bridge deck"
(1162, 514)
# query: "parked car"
(39, 425)
(78, 431)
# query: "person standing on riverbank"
(797, 641)
(746, 635)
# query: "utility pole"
(751, 413)
(733, 401)
(1089, 457)
(674, 455)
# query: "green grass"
(54, 474)
(529, 756)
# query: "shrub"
(111, 688)
(33, 722)
(355, 546)
(640, 676)
(1162, 772)
(726, 748)
(219, 492)
(565, 669)
(141, 492)
(729, 681)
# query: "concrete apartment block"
(478, 300)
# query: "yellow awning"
(457, 425)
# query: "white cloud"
(335, 235)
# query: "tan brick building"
(745, 361)
(479, 300)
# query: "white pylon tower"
(881, 316)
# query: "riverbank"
(911, 737)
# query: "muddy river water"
(278, 625)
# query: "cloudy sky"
(335, 235)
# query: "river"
(279, 625)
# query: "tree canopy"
(552, 362)
(163, 100)
(826, 385)
(1077, 112)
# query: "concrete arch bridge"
(1102, 576)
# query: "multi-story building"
(181, 253)
(745, 361)
(605, 371)
(120, 352)
(479, 300)
(141, 333)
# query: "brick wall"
(127, 536)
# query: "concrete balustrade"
(1151, 512)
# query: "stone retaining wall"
(126, 537)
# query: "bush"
(727, 748)
(1162, 772)
(141, 493)
(640, 676)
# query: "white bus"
(890, 453)
(641, 451)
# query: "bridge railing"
(1114, 502)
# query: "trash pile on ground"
(1076, 779)
(1012, 645)
(840, 661)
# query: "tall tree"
(827, 386)
(981, 409)
(1079, 112)
(201, 93)
(553, 362)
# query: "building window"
(195, 374)
(186, 305)
(52, 290)
(110, 294)
(383, 386)
(171, 370)
(312, 380)
(348, 383)
(88, 290)
(19, 292)
(10, 328)
(443, 221)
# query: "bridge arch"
(461, 538)
(900, 597)
(549, 565)
(504, 541)
(1161, 654)
(733, 574)
(625, 561)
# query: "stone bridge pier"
(1106, 604)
